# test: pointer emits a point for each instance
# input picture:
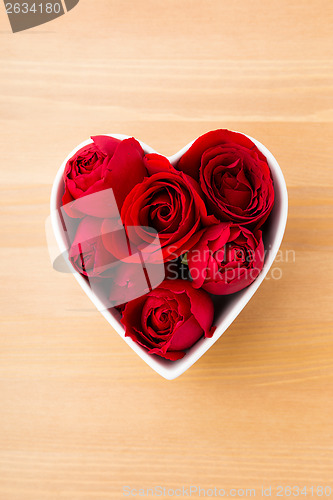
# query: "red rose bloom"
(114, 279)
(87, 252)
(171, 203)
(234, 176)
(170, 319)
(107, 163)
(226, 259)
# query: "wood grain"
(81, 415)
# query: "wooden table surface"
(81, 416)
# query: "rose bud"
(107, 163)
(226, 259)
(171, 203)
(169, 319)
(234, 176)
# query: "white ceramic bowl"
(232, 304)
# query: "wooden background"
(80, 414)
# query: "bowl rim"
(173, 369)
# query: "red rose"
(170, 319)
(114, 279)
(87, 252)
(226, 259)
(171, 203)
(107, 163)
(234, 176)
(156, 163)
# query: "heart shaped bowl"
(227, 308)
